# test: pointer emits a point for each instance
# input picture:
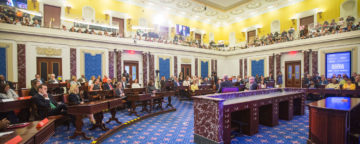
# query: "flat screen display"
(338, 63)
(182, 30)
(15, 3)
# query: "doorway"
(186, 70)
(132, 67)
(121, 23)
(293, 74)
(47, 66)
(52, 16)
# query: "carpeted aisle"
(177, 128)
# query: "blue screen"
(15, 3)
(338, 63)
(182, 30)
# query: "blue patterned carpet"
(177, 128)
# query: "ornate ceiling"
(214, 11)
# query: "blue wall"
(93, 65)
(257, 67)
(3, 61)
(204, 69)
(164, 67)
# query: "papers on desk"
(6, 133)
(6, 100)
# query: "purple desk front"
(214, 114)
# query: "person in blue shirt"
(323, 80)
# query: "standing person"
(252, 84)
(126, 75)
(279, 80)
(163, 84)
(225, 84)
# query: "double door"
(132, 68)
(293, 74)
(186, 70)
(47, 66)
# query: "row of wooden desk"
(333, 92)
(31, 134)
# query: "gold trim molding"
(48, 51)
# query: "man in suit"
(225, 84)
(108, 85)
(82, 79)
(176, 83)
(37, 78)
(252, 84)
(163, 83)
(126, 75)
(46, 104)
(5, 82)
(123, 82)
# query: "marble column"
(152, 68)
(118, 65)
(215, 66)
(73, 61)
(245, 67)
(306, 62)
(271, 65)
(241, 68)
(145, 75)
(278, 63)
(111, 64)
(175, 66)
(21, 59)
(196, 66)
(314, 58)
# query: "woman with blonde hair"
(92, 80)
(75, 99)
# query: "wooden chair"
(25, 92)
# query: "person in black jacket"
(46, 104)
(75, 99)
(34, 85)
(252, 84)
(225, 84)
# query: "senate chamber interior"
(180, 71)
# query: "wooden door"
(47, 66)
(132, 67)
(251, 36)
(293, 74)
(198, 37)
(307, 20)
(186, 70)
(52, 16)
(121, 23)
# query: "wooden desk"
(332, 119)
(13, 105)
(96, 108)
(32, 135)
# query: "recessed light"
(269, 7)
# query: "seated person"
(4, 123)
(75, 99)
(252, 84)
(151, 88)
(108, 85)
(3, 81)
(7, 93)
(262, 84)
(46, 104)
(187, 81)
(312, 84)
(333, 84)
(225, 84)
(349, 85)
(135, 84)
(323, 80)
(34, 86)
(53, 79)
(206, 81)
(119, 92)
(92, 80)
(82, 79)
(194, 86)
(176, 83)
(95, 86)
(37, 77)
(74, 81)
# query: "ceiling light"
(270, 7)
(253, 13)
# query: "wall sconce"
(293, 21)
(68, 7)
(34, 3)
(320, 12)
(107, 14)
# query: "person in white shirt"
(7, 93)
(135, 84)
(186, 82)
(53, 79)
(91, 81)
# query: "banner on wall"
(93, 65)
(338, 63)
(257, 68)
(164, 67)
